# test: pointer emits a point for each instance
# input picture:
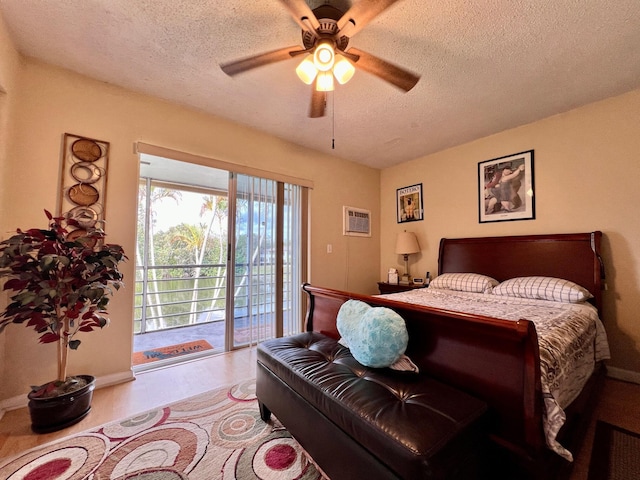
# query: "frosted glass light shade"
(307, 71)
(324, 83)
(324, 56)
(343, 70)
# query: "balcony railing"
(183, 295)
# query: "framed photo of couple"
(505, 188)
(409, 203)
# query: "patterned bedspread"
(571, 338)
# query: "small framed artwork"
(505, 188)
(409, 203)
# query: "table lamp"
(406, 244)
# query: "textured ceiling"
(485, 66)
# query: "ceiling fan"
(326, 32)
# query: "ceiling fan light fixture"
(343, 70)
(307, 71)
(324, 82)
(326, 34)
(324, 56)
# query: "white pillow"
(543, 288)
(464, 282)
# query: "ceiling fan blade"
(361, 13)
(401, 78)
(239, 66)
(299, 10)
(318, 102)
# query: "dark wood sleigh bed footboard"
(492, 359)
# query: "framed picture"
(409, 203)
(505, 188)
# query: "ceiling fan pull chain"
(333, 121)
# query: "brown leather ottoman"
(359, 422)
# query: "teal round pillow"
(376, 336)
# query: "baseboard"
(624, 375)
(12, 403)
(115, 378)
(21, 401)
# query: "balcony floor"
(211, 332)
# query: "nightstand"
(386, 287)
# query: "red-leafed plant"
(60, 286)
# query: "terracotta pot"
(56, 413)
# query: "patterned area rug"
(215, 435)
(162, 353)
(615, 454)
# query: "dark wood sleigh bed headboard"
(573, 256)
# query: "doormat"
(614, 455)
(171, 351)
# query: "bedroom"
(586, 178)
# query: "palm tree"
(195, 239)
(219, 206)
(146, 223)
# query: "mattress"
(571, 340)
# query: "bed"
(495, 359)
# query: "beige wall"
(52, 101)
(9, 66)
(587, 177)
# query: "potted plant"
(61, 286)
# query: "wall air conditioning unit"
(356, 222)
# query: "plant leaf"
(15, 284)
(49, 338)
(25, 297)
(48, 262)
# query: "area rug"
(162, 353)
(615, 454)
(215, 435)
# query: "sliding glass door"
(220, 256)
(265, 271)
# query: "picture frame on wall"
(409, 203)
(506, 188)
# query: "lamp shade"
(324, 56)
(407, 243)
(343, 70)
(307, 71)
(324, 82)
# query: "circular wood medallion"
(80, 235)
(86, 172)
(83, 194)
(85, 216)
(86, 150)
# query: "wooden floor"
(150, 389)
(619, 404)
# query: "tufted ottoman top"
(411, 422)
